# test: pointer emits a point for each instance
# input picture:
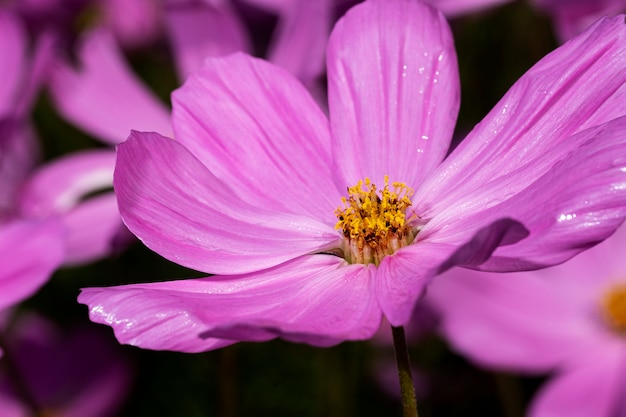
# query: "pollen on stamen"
(614, 308)
(374, 223)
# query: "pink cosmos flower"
(251, 188)
(43, 219)
(77, 373)
(568, 320)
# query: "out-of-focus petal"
(29, 252)
(592, 388)
(102, 96)
(13, 62)
(299, 43)
(134, 23)
(571, 17)
(21, 73)
(512, 321)
(199, 30)
(314, 299)
(560, 221)
(63, 188)
(556, 98)
(258, 130)
(75, 373)
(171, 202)
(92, 229)
(19, 152)
(10, 406)
(61, 184)
(402, 277)
(393, 91)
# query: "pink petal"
(593, 388)
(93, 227)
(559, 96)
(76, 373)
(299, 43)
(29, 252)
(199, 30)
(134, 23)
(574, 16)
(512, 321)
(60, 189)
(19, 151)
(314, 299)
(403, 277)
(103, 96)
(393, 91)
(258, 130)
(572, 207)
(180, 210)
(11, 407)
(61, 184)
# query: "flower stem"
(407, 390)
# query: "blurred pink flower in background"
(30, 250)
(35, 240)
(251, 189)
(103, 97)
(77, 373)
(569, 320)
(58, 189)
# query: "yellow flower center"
(374, 222)
(614, 308)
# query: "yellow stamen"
(614, 308)
(374, 222)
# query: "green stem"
(407, 390)
(228, 381)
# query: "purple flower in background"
(77, 373)
(53, 193)
(103, 96)
(569, 320)
(30, 250)
(316, 227)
